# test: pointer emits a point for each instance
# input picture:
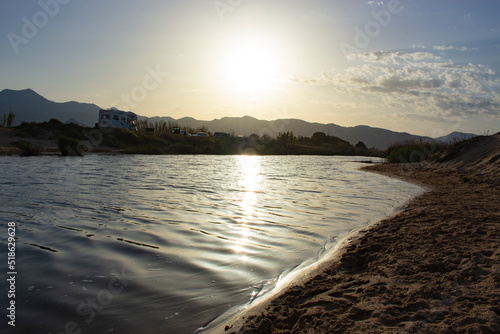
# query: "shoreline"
(432, 267)
(298, 277)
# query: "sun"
(250, 65)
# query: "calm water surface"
(147, 244)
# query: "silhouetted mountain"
(456, 136)
(28, 106)
(31, 107)
(372, 137)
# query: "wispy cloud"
(417, 46)
(416, 83)
(376, 3)
(452, 47)
(391, 57)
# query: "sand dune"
(479, 154)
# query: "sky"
(418, 66)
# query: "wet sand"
(432, 268)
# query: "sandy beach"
(432, 268)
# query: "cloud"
(416, 83)
(376, 3)
(451, 47)
(321, 81)
(417, 46)
(393, 57)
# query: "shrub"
(71, 146)
(123, 138)
(410, 151)
(55, 121)
(27, 149)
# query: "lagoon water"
(166, 244)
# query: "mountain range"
(29, 106)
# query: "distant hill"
(455, 136)
(32, 107)
(372, 137)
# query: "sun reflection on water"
(250, 185)
(250, 172)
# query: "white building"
(117, 119)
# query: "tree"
(319, 137)
(10, 119)
(286, 137)
(361, 146)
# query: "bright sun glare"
(249, 181)
(251, 65)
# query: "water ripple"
(169, 243)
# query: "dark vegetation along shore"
(432, 268)
(54, 137)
